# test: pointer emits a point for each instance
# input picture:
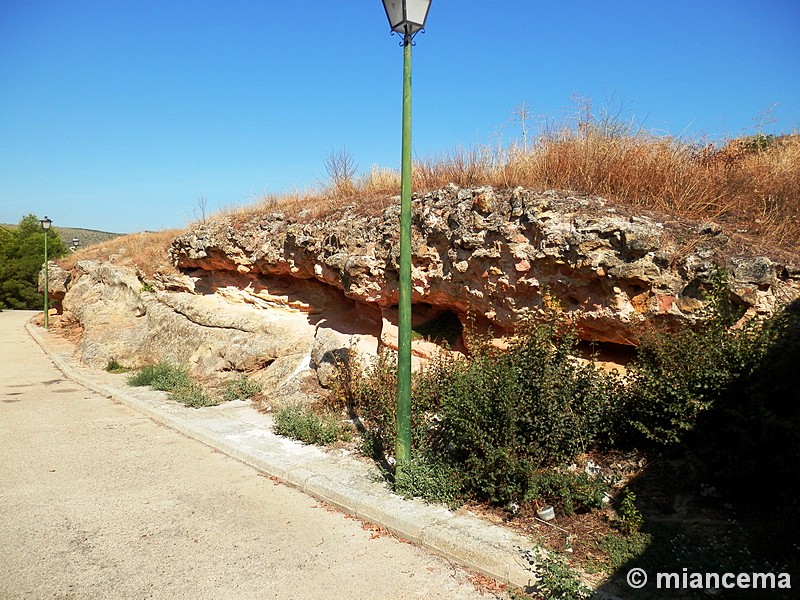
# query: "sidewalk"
(353, 486)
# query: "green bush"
(497, 418)
(434, 482)
(240, 388)
(302, 423)
(558, 581)
(679, 375)
(630, 519)
(193, 395)
(163, 376)
(509, 414)
(174, 379)
(571, 492)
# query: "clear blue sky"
(119, 114)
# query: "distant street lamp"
(75, 243)
(46, 226)
(406, 17)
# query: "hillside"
(86, 237)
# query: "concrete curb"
(352, 486)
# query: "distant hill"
(86, 237)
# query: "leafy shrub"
(507, 415)
(431, 481)
(621, 549)
(630, 519)
(302, 423)
(174, 379)
(559, 581)
(679, 375)
(113, 366)
(240, 388)
(751, 439)
(193, 395)
(571, 492)
(163, 376)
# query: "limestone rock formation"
(490, 255)
(287, 299)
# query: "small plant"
(146, 287)
(163, 376)
(431, 481)
(622, 549)
(240, 388)
(114, 367)
(193, 395)
(559, 581)
(571, 492)
(176, 381)
(302, 423)
(630, 519)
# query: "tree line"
(21, 260)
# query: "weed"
(302, 423)
(163, 376)
(571, 492)
(114, 367)
(559, 581)
(434, 482)
(622, 549)
(630, 519)
(240, 388)
(176, 381)
(193, 395)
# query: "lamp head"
(407, 17)
(45, 223)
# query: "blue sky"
(119, 115)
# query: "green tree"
(21, 260)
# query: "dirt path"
(99, 502)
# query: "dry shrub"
(749, 184)
(755, 190)
(148, 252)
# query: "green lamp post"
(406, 17)
(46, 227)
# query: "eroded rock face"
(124, 320)
(286, 300)
(492, 255)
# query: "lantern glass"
(406, 17)
(45, 223)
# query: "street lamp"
(46, 226)
(406, 17)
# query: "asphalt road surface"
(98, 501)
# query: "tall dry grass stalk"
(750, 188)
(751, 185)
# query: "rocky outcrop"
(286, 299)
(490, 255)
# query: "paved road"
(97, 501)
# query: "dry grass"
(145, 251)
(751, 189)
(750, 184)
